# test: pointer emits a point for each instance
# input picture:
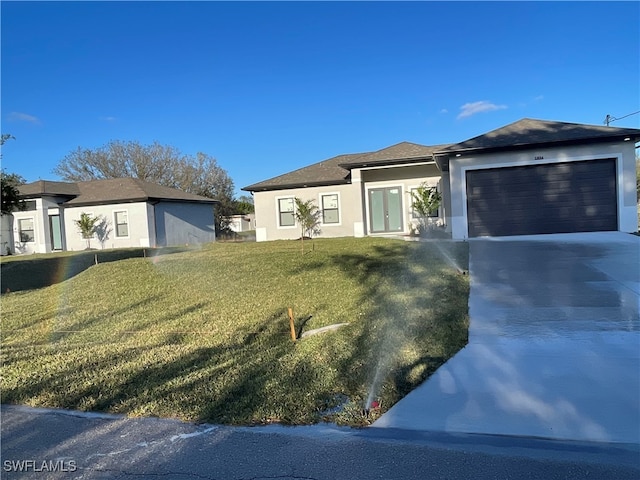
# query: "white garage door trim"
(542, 161)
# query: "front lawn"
(203, 335)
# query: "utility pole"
(609, 119)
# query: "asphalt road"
(44, 444)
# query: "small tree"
(425, 201)
(87, 226)
(308, 216)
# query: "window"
(415, 214)
(286, 212)
(29, 205)
(25, 229)
(122, 224)
(330, 211)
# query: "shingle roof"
(46, 187)
(115, 190)
(336, 170)
(530, 131)
(520, 134)
(326, 172)
(400, 153)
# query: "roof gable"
(400, 152)
(528, 131)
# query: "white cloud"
(108, 119)
(23, 117)
(538, 98)
(469, 109)
(444, 110)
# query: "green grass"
(27, 272)
(203, 335)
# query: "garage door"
(549, 198)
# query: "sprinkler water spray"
(366, 411)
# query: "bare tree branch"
(161, 164)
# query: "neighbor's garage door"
(548, 198)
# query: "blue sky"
(269, 87)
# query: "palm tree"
(425, 201)
(87, 226)
(308, 216)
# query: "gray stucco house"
(136, 214)
(529, 177)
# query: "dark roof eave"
(264, 188)
(40, 195)
(384, 163)
(136, 200)
(182, 200)
(529, 146)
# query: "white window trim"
(410, 202)
(339, 223)
(295, 222)
(115, 224)
(35, 235)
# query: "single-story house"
(529, 177)
(242, 222)
(133, 213)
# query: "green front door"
(56, 232)
(385, 209)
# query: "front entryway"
(55, 229)
(385, 210)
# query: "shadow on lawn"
(416, 302)
(24, 273)
(180, 374)
(256, 374)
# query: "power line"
(609, 118)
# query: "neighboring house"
(135, 214)
(242, 223)
(6, 234)
(529, 177)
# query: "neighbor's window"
(122, 224)
(25, 229)
(330, 212)
(29, 205)
(286, 211)
(415, 214)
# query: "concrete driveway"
(554, 344)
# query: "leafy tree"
(308, 216)
(87, 226)
(425, 201)
(10, 182)
(244, 205)
(161, 164)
